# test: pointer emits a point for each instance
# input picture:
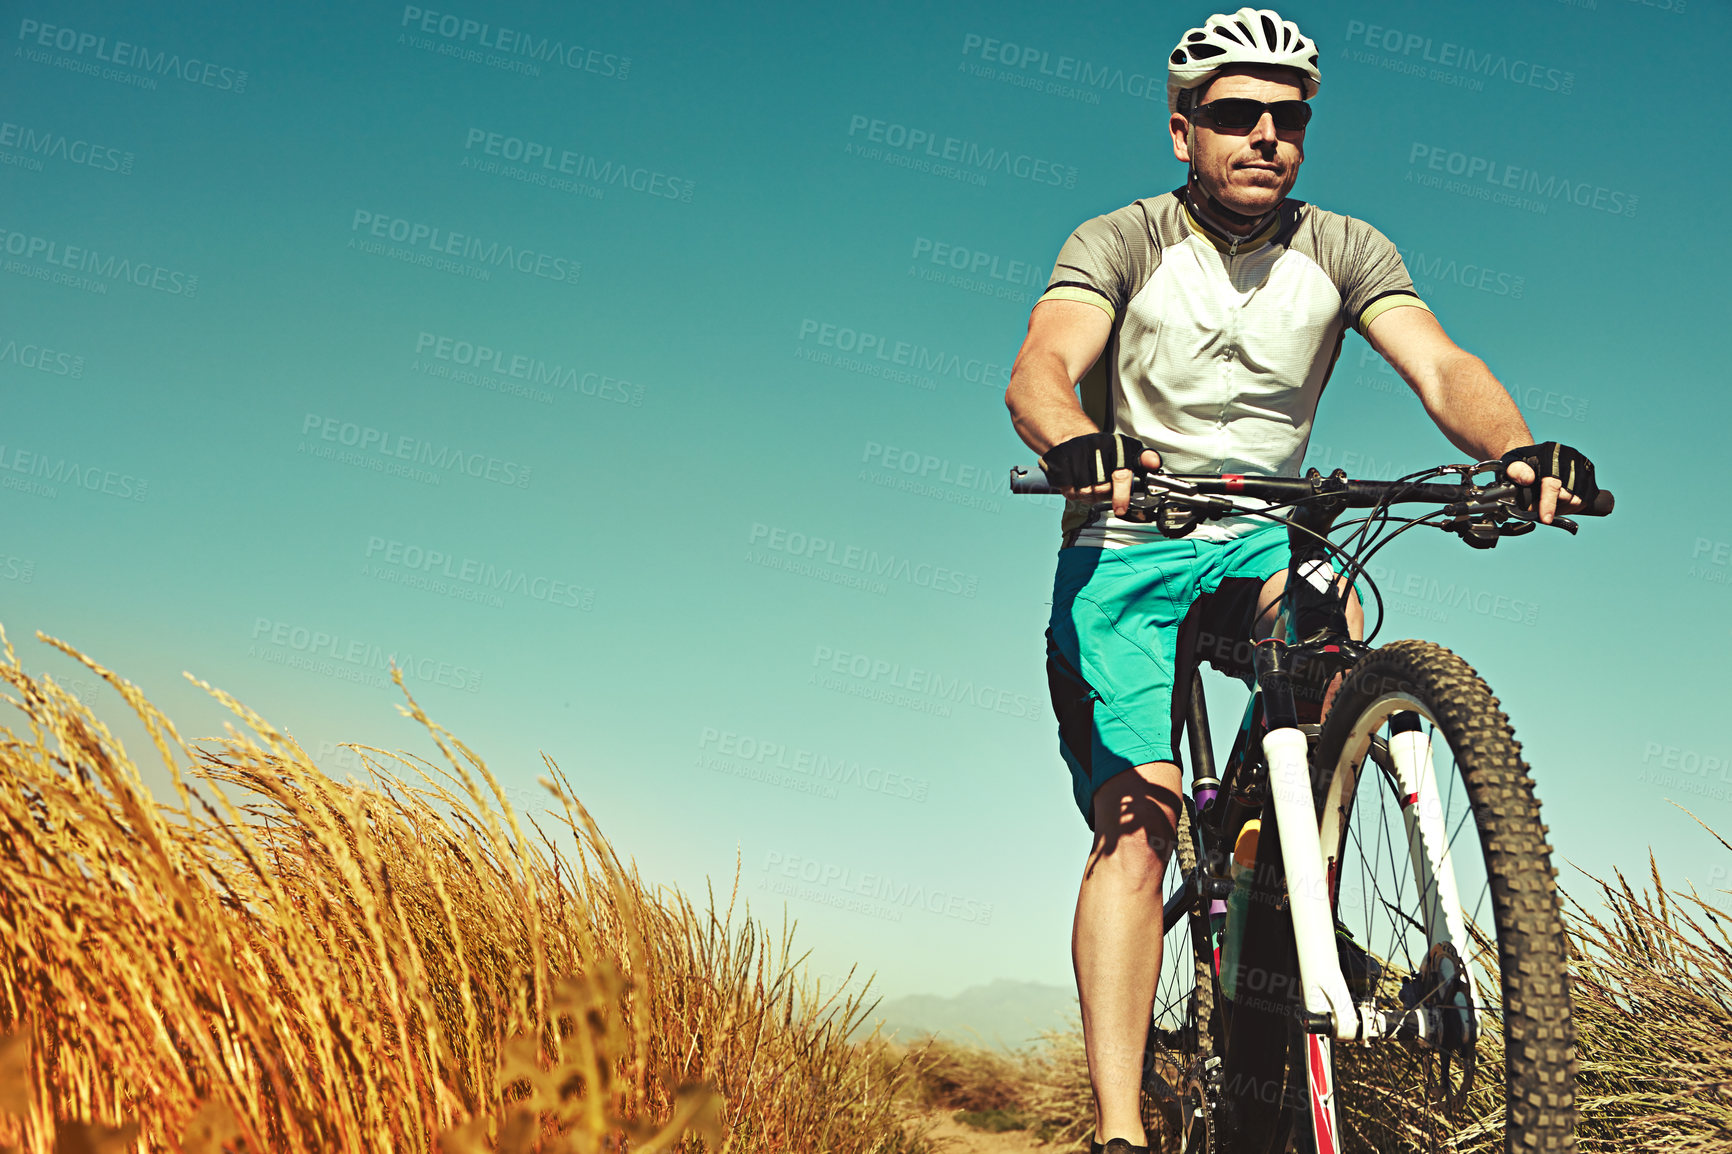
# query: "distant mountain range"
(1002, 1014)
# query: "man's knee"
(1136, 812)
(1131, 862)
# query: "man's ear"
(1180, 128)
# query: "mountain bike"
(1363, 945)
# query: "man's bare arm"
(1064, 340)
(1459, 393)
(1462, 396)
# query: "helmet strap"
(1217, 216)
(1204, 206)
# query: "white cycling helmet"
(1248, 36)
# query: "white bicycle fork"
(1309, 867)
(1320, 979)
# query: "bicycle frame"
(1309, 644)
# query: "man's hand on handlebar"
(1565, 477)
(1098, 466)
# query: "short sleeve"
(1375, 279)
(1093, 267)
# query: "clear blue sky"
(593, 362)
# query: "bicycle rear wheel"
(1176, 1104)
(1501, 1077)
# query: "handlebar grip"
(1603, 505)
(1022, 481)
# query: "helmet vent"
(1247, 37)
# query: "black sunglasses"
(1236, 113)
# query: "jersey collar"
(1235, 246)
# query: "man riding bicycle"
(1202, 325)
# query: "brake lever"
(1175, 513)
(1505, 490)
(1500, 498)
(1532, 518)
(1160, 479)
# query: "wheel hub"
(1440, 991)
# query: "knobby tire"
(1533, 1006)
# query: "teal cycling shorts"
(1112, 645)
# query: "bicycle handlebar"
(1356, 494)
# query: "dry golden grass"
(1045, 1087)
(1653, 1001)
(408, 964)
(404, 964)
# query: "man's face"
(1248, 170)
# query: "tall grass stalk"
(402, 963)
(1653, 1002)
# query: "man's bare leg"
(1116, 938)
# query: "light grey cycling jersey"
(1219, 352)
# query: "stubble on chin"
(1264, 186)
(1254, 197)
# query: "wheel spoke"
(1402, 914)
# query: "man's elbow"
(1021, 370)
(1459, 368)
(1437, 380)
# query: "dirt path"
(952, 1137)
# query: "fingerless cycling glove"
(1091, 460)
(1551, 459)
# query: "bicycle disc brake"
(1439, 990)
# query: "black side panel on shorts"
(1073, 704)
(1224, 626)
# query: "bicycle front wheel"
(1446, 912)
